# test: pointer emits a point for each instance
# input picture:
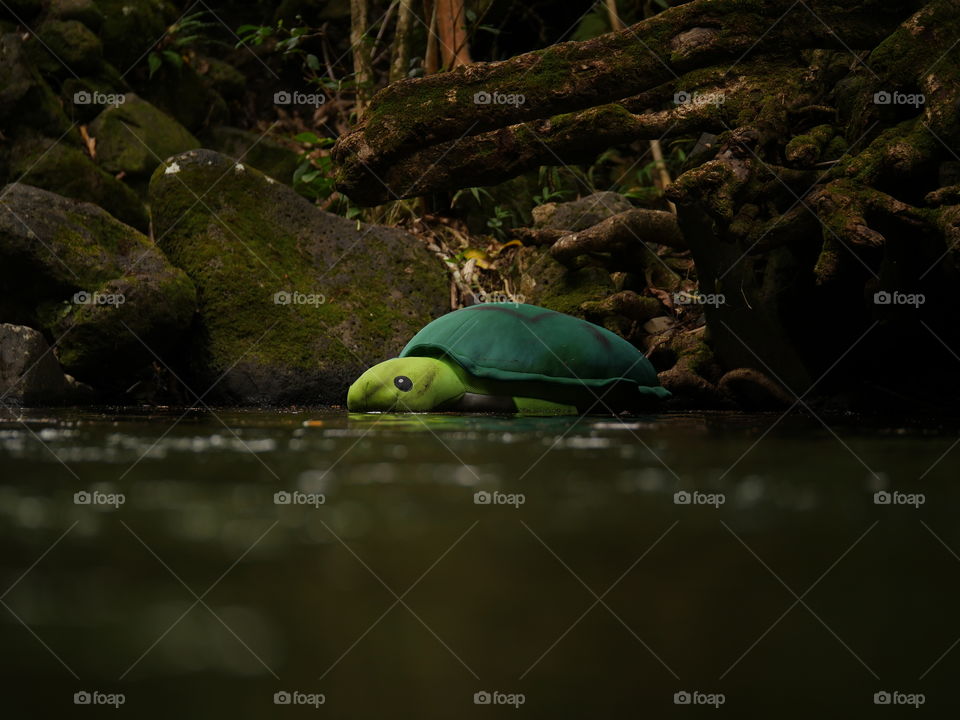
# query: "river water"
(365, 566)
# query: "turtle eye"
(403, 383)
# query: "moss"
(392, 120)
(26, 100)
(222, 77)
(105, 82)
(262, 152)
(894, 151)
(544, 281)
(68, 47)
(804, 150)
(135, 137)
(551, 71)
(128, 25)
(917, 45)
(828, 262)
(379, 286)
(695, 355)
(84, 11)
(183, 95)
(68, 171)
(836, 148)
(73, 247)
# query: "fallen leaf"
(90, 142)
(478, 257)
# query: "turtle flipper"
(654, 391)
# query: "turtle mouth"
(358, 396)
(363, 396)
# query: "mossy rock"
(541, 280)
(136, 137)
(67, 48)
(85, 11)
(16, 75)
(266, 155)
(222, 77)
(88, 96)
(182, 93)
(52, 248)
(29, 372)
(254, 238)
(128, 27)
(580, 214)
(25, 98)
(20, 10)
(66, 170)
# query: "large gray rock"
(349, 296)
(97, 286)
(29, 372)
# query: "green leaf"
(182, 42)
(301, 169)
(313, 62)
(173, 58)
(154, 62)
(307, 137)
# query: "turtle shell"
(517, 342)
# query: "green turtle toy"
(509, 357)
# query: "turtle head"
(415, 384)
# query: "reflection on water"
(397, 565)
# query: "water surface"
(585, 587)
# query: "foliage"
(188, 31)
(501, 221)
(503, 218)
(313, 178)
(642, 186)
(296, 43)
(549, 183)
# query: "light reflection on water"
(294, 592)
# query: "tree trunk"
(362, 64)
(451, 23)
(400, 65)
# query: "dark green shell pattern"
(518, 342)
